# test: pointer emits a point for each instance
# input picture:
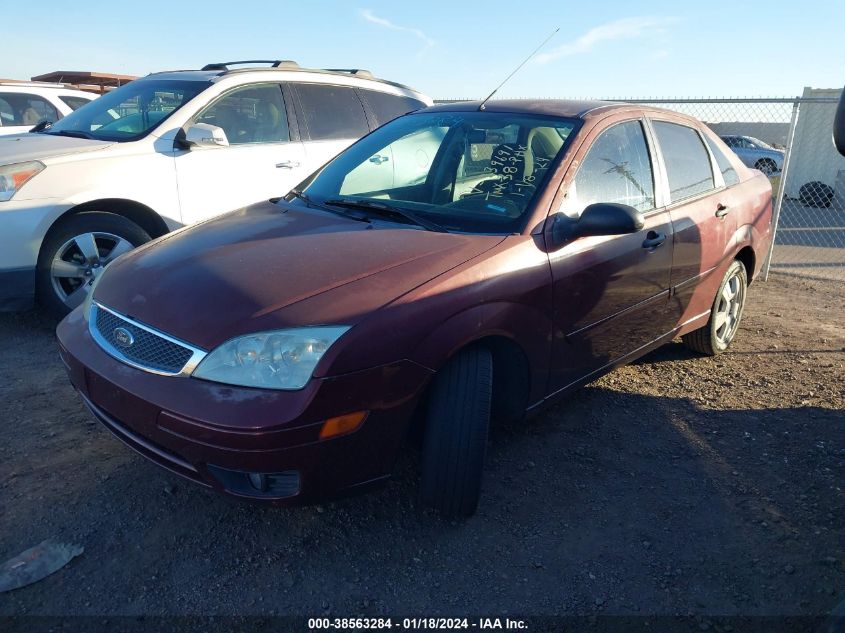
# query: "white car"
(23, 105)
(165, 151)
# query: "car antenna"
(525, 61)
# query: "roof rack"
(358, 72)
(223, 70)
(274, 63)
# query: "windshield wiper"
(386, 210)
(296, 193)
(73, 133)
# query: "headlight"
(13, 177)
(284, 359)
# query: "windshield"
(130, 112)
(465, 171)
(759, 143)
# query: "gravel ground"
(677, 485)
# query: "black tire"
(79, 224)
(816, 194)
(456, 431)
(767, 166)
(707, 340)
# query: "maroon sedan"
(456, 265)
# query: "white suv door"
(260, 162)
(333, 118)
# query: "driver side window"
(617, 169)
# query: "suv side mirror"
(601, 218)
(200, 135)
(839, 125)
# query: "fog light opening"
(342, 424)
(258, 481)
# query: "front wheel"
(767, 166)
(456, 433)
(725, 315)
(75, 252)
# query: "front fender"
(527, 327)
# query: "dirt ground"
(679, 485)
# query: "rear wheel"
(76, 251)
(456, 430)
(725, 315)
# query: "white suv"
(23, 105)
(165, 151)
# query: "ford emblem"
(123, 337)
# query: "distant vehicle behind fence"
(756, 153)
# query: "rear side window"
(728, 171)
(332, 112)
(74, 103)
(25, 109)
(252, 114)
(617, 169)
(387, 107)
(687, 162)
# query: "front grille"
(146, 350)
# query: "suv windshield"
(130, 112)
(464, 171)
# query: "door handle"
(721, 210)
(653, 239)
(287, 164)
(378, 160)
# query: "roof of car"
(185, 75)
(212, 72)
(564, 108)
(40, 85)
(569, 108)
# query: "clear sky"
(458, 48)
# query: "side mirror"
(601, 218)
(42, 125)
(200, 135)
(839, 125)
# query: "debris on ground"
(36, 563)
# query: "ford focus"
(459, 265)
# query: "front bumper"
(24, 224)
(17, 289)
(215, 434)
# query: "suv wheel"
(725, 315)
(74, 254)
(456, 434)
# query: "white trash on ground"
(36, 563)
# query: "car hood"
(20, 148)
(274, 266)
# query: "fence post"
(778, 202)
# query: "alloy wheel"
(80, 260)
(729, 309)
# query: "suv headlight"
(13, 177)
(282, 359)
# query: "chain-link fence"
(789, 139)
